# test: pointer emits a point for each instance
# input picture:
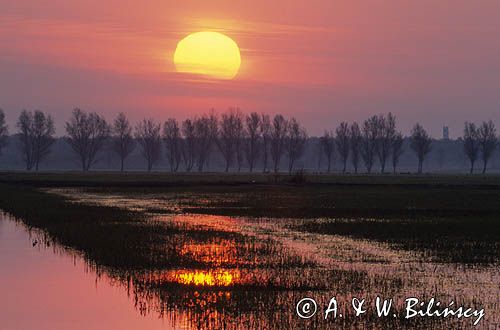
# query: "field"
(242, 248)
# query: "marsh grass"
(154, 240)
(326, 200)
(113, 237)
(471, 240)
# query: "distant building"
(446, 133)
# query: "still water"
(49, 289)
(250, 281)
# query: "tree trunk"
(121, 164)
(485, 162)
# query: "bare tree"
(205, 129)
(397, 150)
(487, 141)
(43, 132)
(318, 151)
(214, 131)
(296, 142)
(252, 146)
(327, 144)
(36, 136)
(87, 134)
(471, 143)
(420, 142)
(25, 133)
(229, 135)
(239, 139)
(369, 144)
(265, 132)
(123, 141)
(279, 130)
(386, 132)
(172, 139)
(356, 140)
(4, 131)
(342, 141)
(147, 134)
(189, 145)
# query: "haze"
(436, 62)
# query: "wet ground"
(249, 272)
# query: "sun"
(208, 53)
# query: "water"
(243, 273)
(47, 288)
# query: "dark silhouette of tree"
(386, 131)
(147, 134)
(205, 129)
(172, 139)
(87, 134)
(265, 132)
(420, 142)
(296, 142)
(355, 140)
(25, 132)
(342, 142)
(397, 150)
(471, 143)
(279, 131)
(36, 136)
(123, 141)
(229, 135)
(370, 134)
(239, 139)
(214, 132)
(327, 144)
(487, 141)
(318, 151)
(253, 143)
(4, 131)
(43, 131)
(189, 145)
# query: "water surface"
(47, 288)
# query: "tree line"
(243, 141)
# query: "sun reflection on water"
(206, 278)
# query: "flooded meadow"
(210, 260)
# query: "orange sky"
(437, 62)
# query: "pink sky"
(437, 62)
